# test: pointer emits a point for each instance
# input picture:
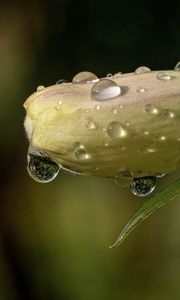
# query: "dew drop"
(143, 186)
(41, 168)
(105, 89)
(62, 81)
(40, 88)
(164, 76)
(142, 69)
(90, 124)
(177, 67)
(97, 107)
(115, 129)
(109, 75)
(85, 77)
(81, 154)
(114, 110)
(117, 75)
(147, 148)
(166, 113)
(78, 145)
(152, 109)
(141, 90)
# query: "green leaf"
(147, 208)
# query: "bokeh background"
(54, 237)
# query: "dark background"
(54, 238)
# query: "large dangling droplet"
(41, 168)
(105, 89)
(85, 77)
(177, 67)
(143, 186)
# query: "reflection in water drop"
(41, 168)
(40, 88)
(164, 76)
(105, 89)
(143, 186)
(177, 67)
(85, 77)
(142, 69)
(115, 129)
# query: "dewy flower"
(123, 126)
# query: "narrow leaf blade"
(147, 208)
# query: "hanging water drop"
(177, 67)
(41, 168)
(62, 81)
(142, 69)
(105, 89)
(85, 77)
(164, 76)
(143, 186)
(115, 129)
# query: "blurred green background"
(54, 237)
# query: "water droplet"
(146, 132)
(164, 76)
(42, 168)
(40, 88)
(117, 75)
(124, 177)
(81, 154)
(105, 89)
(143, 186)
(78, 145)
(177, 67)
(115, 129)
(141, 90)
(97, 107)
(90, 124)
(85, 77)
(152, 109)
(62, 81)
(127, 123)
(142, 69)
(109, 75)
(166, 113)
(159, 175)
(147, 148)
(114, 110)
